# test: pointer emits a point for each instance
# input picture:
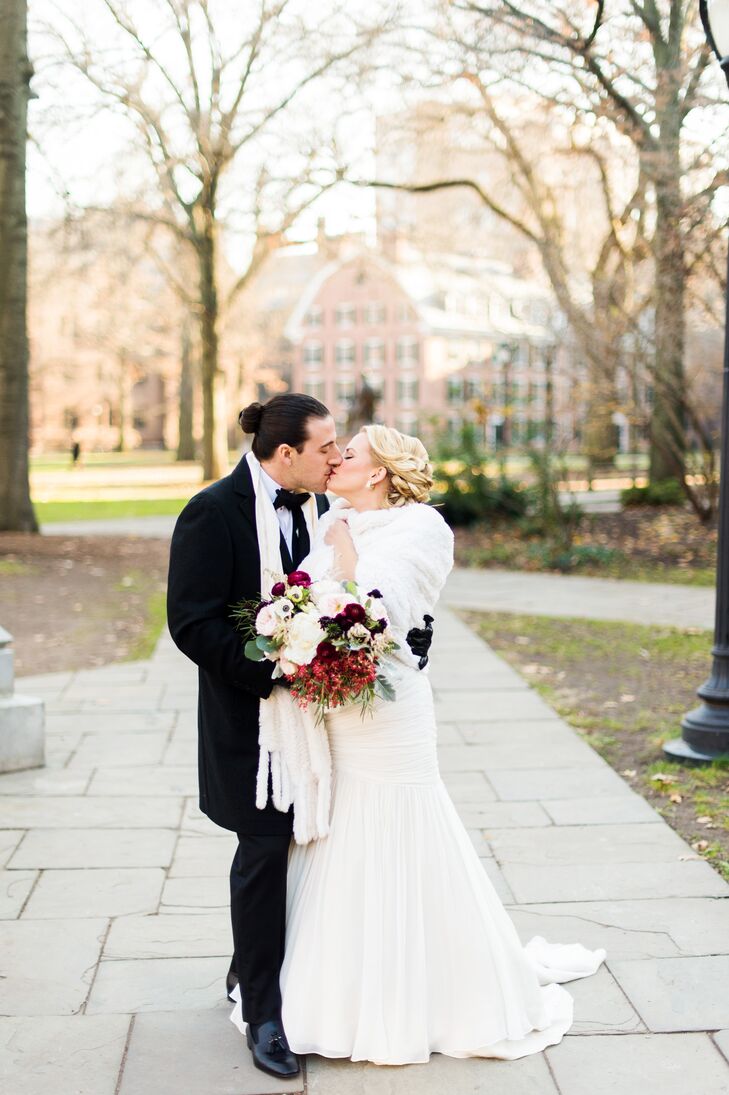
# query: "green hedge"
(668, 492)
(463, 491)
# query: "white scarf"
(291, 745)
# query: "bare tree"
(635, 73)
(205, 90)
(16, 510)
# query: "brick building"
(437, 341)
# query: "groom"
(215, 562)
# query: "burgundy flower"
(355, 613)
(298, 578)
(326, 651)
(278, 589)
(343, 621)
(374, 593)
(378, 626)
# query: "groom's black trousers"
(258, 914)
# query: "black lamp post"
(705, 730)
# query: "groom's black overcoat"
(214, 562)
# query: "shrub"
(667, 492)
(547, 514)
(578, 555)
(463, 491)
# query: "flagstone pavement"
(115, 938)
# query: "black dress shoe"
(231, 980)
(271, 1053)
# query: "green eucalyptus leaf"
(253, 651)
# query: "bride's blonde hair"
(409, 471)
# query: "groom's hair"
(284, 420)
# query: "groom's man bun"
(281, 421)
(250, 417)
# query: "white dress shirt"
(285, 516)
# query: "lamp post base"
(680, 751)
(705, 736)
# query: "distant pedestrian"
(75, 453)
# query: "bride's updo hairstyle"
(409, 471)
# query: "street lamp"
(705, 730)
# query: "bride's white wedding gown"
(397, 944)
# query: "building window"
(473, 388)
(403, 312)
(407, 390)
(345, 392)
(407, 423)
(454, 390)
(406, 351)
(374, 352)
(375, 312)
(345, 315)
(314, 317)
(314, 388)
(313, 354)
(344, 352)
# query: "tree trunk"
(186, 439)
(125, 403)
(549, 399)
(16, 509)
(668, 437)
(599, 435)
(215, 440)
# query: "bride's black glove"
(419, 640)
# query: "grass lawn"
(155, 619)
(625, 688)
(99, 509)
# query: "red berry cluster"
(333, 682)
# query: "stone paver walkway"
(572, 595)
(157, 528)
(115, 935)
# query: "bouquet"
(326, 639)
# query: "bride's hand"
(345, 555)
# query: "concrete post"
(22, 735)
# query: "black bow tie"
(290, 500)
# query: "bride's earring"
(370, 485)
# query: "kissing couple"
(383, 940)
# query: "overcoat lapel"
(243, 487)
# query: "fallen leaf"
(676, 797)
(628, 772)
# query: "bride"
(397, 945)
